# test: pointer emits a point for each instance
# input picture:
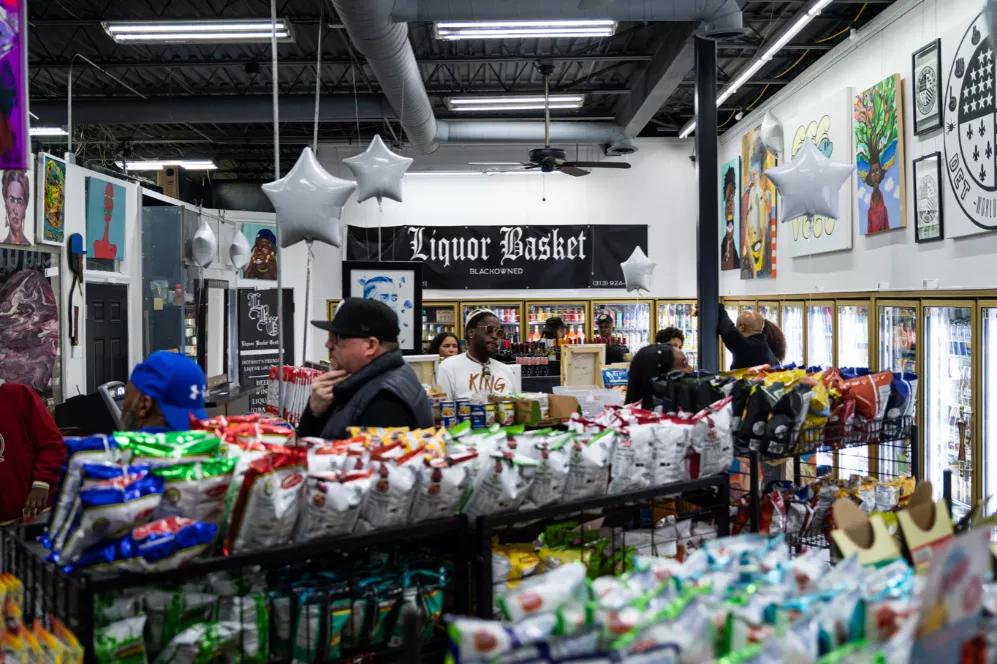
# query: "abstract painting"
(263, 259)
(929, 222)
(758, 209)
(397, 284)
(828, 123)
(19, 213)
(730, 215)
(879, 157)
(53, 200)
(15, 143)
(105, 220)
(29, 330)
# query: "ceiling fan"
(549, 159)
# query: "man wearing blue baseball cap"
(162, 393)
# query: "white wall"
(888, 260)
(659, 190)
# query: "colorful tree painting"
(879, 157)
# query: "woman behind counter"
(444, 344)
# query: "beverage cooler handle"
(962, 441)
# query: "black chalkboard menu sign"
(259, 343)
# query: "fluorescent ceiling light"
(451, 30)
(533, 171)
(197, 31)
(819, 6)
(689, 128)
(516, 107)
(190, 165)
(553, 99)
(494, 163)
(47, 131)
(785, 39)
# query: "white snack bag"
(267, 507)
(501, 485)
(588, 470)
(550, 476)
(712, 439)
(441, 485)
(332, 504)
(632, 462)
(389, 501)
(671, 446)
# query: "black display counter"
(544, 384)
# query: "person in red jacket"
(32, 452)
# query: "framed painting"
(581, 365)
(19, 207)
(263, 252)
(926, 65)
(52, 194)
(105, 220)
(397, 284)
(879, 157)
(758, 209)
(730, 215)
(929, 222)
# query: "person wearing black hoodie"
(747, 341)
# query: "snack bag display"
(74, 651)
(93, 449)
(440, 486)
(156, 546)
(252, 614)
(711, 440)
(331, 504)
(632, 464)
(671, 447)
(267, 508)
(502, 485)
(549, 477)
(545, 593)
(871, 393)
(204, 642)
(195, 490)
(121, 642)
(588, 468)
(389, 501)
(167, 449)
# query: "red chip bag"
(871, 393)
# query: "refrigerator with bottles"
(897, 334)
(632, 320)
(853, 351)
(437, 317)
(679, 314)
(769, 311)
(574, 313)
(509, 313)
(948, 399)
(820, 334)
(988, 395)
(791, 322)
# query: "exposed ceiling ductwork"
(378, 30)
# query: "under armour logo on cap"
(195, 392)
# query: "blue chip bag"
(903, 389)
(615, 377)
(91, 449)
(160, 545)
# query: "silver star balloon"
(239, 250)
(810, 184)
(772, 133)
(378, 171)
(309, 202)
(990, 14)
(204, 245)
(637, 271)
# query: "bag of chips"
(588, 468)
(631, 464)
(160, 545)
(871, 393)
(167, 449)
(121, 642)
(388, 503)
(74, 651)
(267, 508)
(331, 504)
(711, 440)
(252, 614)
(671, 447)
(545, 593)
(440, 486)
(203, 642)
(93, 449)
(549, 477)
(195, 490)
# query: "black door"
(107, 334)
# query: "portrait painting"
(262, 253)
(18, 207)
(879, 157)
(105, 220)
(758, 209)
(397, 284)
(730, 215)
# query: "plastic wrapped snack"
(93, 449)
(632, 464)
(545, 593)
(252, 614)
(473, 640)
(550, 475)
(389, 501)
(195, 490)
(871, 393)
(440, 486)
(167, 449)
(671, 447)
(74, 651)
(204, 642)
(588, 469)
(160, 545)
(268, 504)
(502, 485)
(121, 642)
(711, 440)
(331, 504)
(89, 475)
(111, 508)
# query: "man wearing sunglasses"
(369, 383)
(464, 375)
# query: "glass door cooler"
(574, 314)
(988, 324)
(769, 311)
(439, 317)
(509, 313)
(632, 320)
(853, 351)
(678, 314)
(791, 322)
(898, 353)
(725, 359)
(948, 400)
(820, 334)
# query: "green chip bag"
(195, 490)
(121, 642)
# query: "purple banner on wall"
(14, 140)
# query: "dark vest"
(388, 373)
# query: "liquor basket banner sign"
(480, 257)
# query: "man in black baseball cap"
(369, 383)
(607, 324)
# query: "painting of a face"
(15, 204)
(729, 194)
(396, 289)
(382, 289)
(758, 210)
(263, 259)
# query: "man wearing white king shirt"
(461, 376)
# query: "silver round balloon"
(309, 202)
(204, 245)
(378, 171)
(637, 271)
(772, 133)
(239, 250)
(810, 184)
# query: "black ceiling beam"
(80, 92)
(788, 47)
